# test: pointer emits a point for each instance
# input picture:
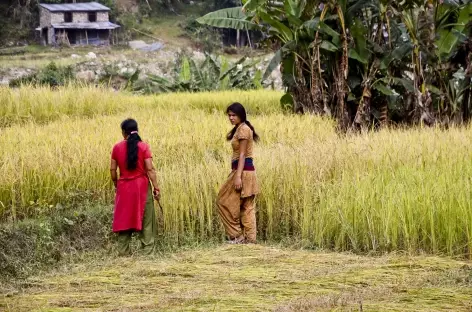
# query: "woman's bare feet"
(238, 240)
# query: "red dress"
(132, 188)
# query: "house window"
(68, 17)
(92, 16)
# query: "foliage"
(212, 74)
(30, 245)
(113, 14)
(128, 21)
(119, 77)
(358, 59)
(222, 4)
(205, 38)
(52, 75)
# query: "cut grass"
(39, 56)
(250, 278)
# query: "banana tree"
(315, 48)
(212, 74)
(354, 58)
(283, 22)
(453, 27)
(378, 44)
(435, 29)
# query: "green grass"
(249, 278)
(37, 56)
(167, 29)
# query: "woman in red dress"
(134, 205)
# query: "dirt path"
(251, 278)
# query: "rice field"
(391, 190)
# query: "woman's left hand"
(238, 183)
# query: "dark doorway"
(45, 35)
(72, 35)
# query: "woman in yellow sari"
(236, 199)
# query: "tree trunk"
(341, 112)
(363, 114)
(249, 38)
(362, 118)
(383, 119)
(318, 95)
(301, 92)
(422, 110)
(423, 95)
(317, 92)
(340, 79)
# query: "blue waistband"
(248, 164)
(248, 161)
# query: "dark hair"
(128, 126)
(238, 109)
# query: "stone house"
(75, 24)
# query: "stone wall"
(82, 17)
(44, 18)
(51, 35)
(47, 18)
(102, 17)
(57, 18)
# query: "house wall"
(82, 17)
(45, 22)
(57, 18)
(51, 35)
(44, 18)
(102, 17)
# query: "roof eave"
(69, 7)
(109, 25)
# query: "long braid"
(130, 129)
(132, 150)
(255, 135)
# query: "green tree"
(358, 59)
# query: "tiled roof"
(75, 7)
